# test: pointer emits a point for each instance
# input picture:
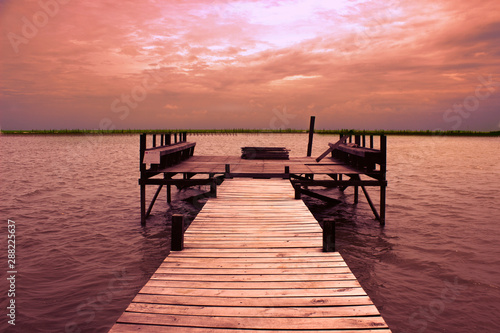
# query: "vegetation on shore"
(242, 130)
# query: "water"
(81, 254)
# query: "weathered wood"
(264, 153)
(329, 236)
(311, 135)
(143, 204)
(369, 200)
(153, 201)
(312, 194)
(253, 260)
(177, 241)
(333, 146)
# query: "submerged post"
(311, 134)
(142, 168)
(383, 171)
(329, 236)
(177, 235)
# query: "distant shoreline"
(243, 131)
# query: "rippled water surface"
(82, 254)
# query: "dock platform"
(252, 261)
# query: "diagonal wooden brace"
(333, 146)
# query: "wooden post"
(371, 141)
(364, 140)
(357, 139)
(154, 140)
(356, 191)
(383, 171)
(329, 236)
(143, 204)
(287, 172)
(175, 137)
(296, 187)
(311, 134)
(142, 168)
(168, 139)
(213, 188)
(177, 238)
(162, 140)
(382, 205)
(228, 171)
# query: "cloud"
(372, 64)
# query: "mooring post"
(143, 204)
(356, 194)
(177, 235)
(382, 205)
(329, 236)
(227, 171)
(213, 188)
(311, 134)
(296, 187)
(142, 168)
(383, 171)
(287, 172)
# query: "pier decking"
(252, 261)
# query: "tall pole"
(311, 133)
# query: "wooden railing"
(164, 152)
(362, 153)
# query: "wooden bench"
(164, 155)
(361, 157)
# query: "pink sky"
(250, 64)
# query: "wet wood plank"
(252, 262)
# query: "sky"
(354, 64)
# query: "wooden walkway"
(252, 262)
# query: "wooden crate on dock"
(264, 153)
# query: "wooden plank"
(268, 312)
(176, 276)
(332, 147)
(252, 262)
(255, 301)
(261, 323)
(256, 285)
(133, 328)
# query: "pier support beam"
(177, 239)
(154, 200)
(328, 236)
(143, 204)
(213, 188)
(382, 205)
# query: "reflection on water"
(82, 254)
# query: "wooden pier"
(355, 161)
(252, 261)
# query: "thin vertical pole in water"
(311, 134)
(383, 171)
(142, 168)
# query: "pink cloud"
(367, 64)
